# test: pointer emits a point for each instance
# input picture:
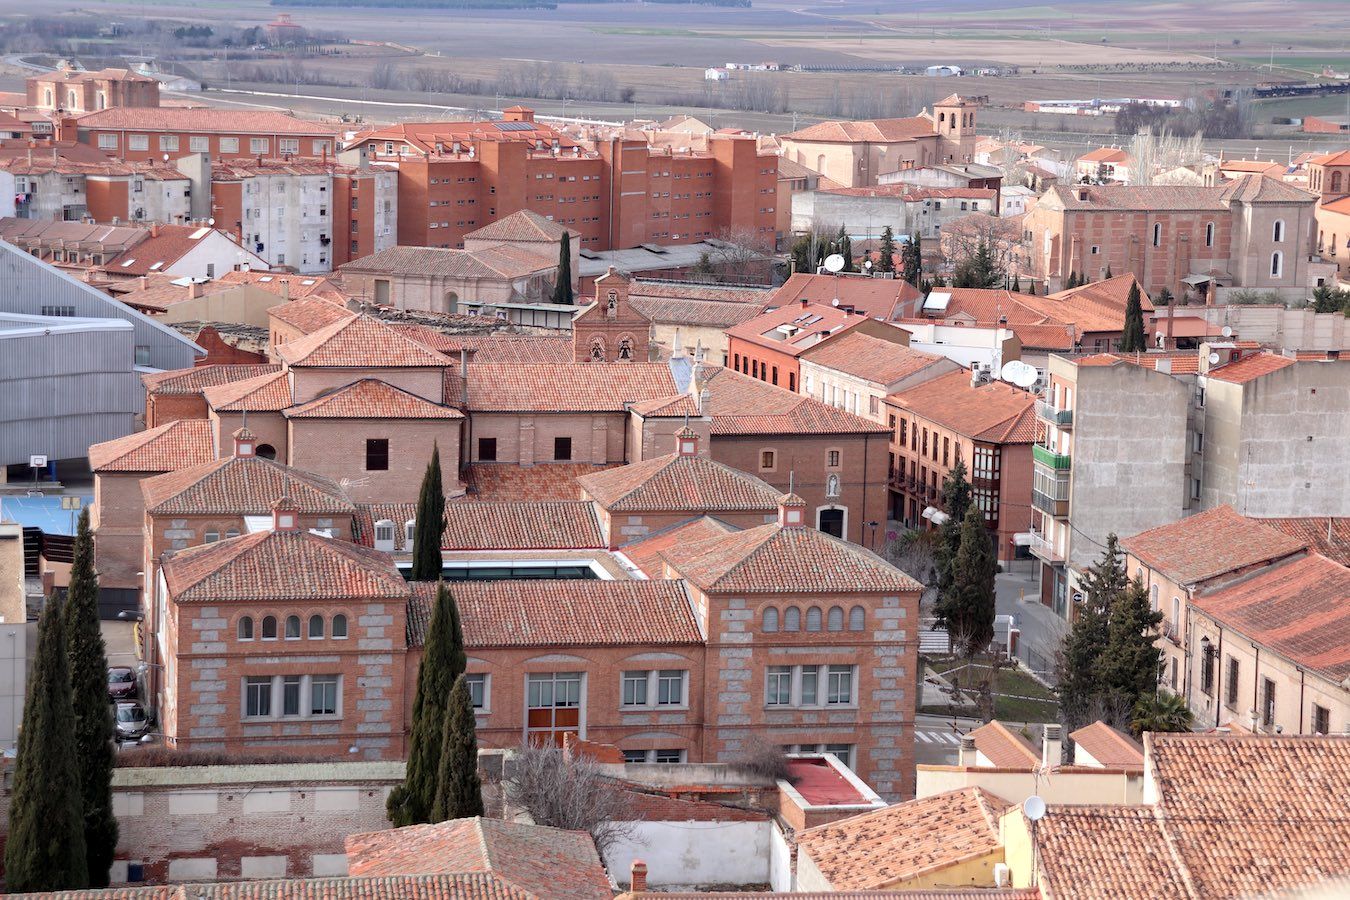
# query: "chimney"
(805, 303)
(154, 229)
(791, 511)
(194, 289)
(286, 289)
(637, 879)
(1052, 751)
(245, 443)
(285, 517)
(686, 442)
(465, 357)
(965, 754)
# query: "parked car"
(121, 683)
(132, 722)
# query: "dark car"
(121, 683)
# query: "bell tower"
(954, 119)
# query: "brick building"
(768, 346)
(455, 177)
(145, 134)
(71, 91)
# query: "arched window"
(942, 118)
(1277, 231)
(292, 628)
(1277, 265)
(1157, 234)
(340, 626)
(1209, 234)
(266, 451)
(792, 619)
(269, 628)
(246, 628)
(813, 619)
(212, 535)
(316, 626)
(835, 620)
(857, 619)
(770, 619)
(232, 532)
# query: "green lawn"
(1017, 696)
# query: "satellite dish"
(1018, 373)
(1226, 331)
(1034, 808)
(211, 221)
(1214, 359)
(834, 263)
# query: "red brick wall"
(161, 409)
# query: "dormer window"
(384, 535)
(285, 520)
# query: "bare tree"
(742, 254)
(572, 793)
(763, 758)
(915, 553)
(1157, 151)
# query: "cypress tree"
(459, 792)
(562, 288)
(1129, 666)
(94, 729)
(45, 850)
(887, 261)
(968, 609)
(1108, 271)
(1017, 284)
(1080, 683)
(978, 270)
(911, 258)
(1072, 282)
(1164, 298)
(846, 251)
(429, 526)
(802, 260)
(954, 500)
(1031, 288)
(1132, 340)
(442, 662)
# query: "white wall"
(16, 639)
(693, 854)
(780, 862)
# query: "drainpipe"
(1218, 683)
(1256, 687)
(1301, 678)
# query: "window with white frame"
(107, 141)
(654, 688)
(168, 142)
(843, 751)
(292, 696)
(670, 756)
(1277, 231)
(478, 691)
(199, 143)
(229, 145)
(810, 686)
(259, 145)
(289, 145)
(138, 142)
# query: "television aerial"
(1034, 808)
(1018, 373)
(834, 263)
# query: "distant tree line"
(1215, 119)
(490, 4)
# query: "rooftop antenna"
(792, 480)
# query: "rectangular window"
(289, 145)
(107, 142)
(323, 694)
(904, 432)
(946, 450)
(259, 145)
(1267, 702)
(199, 144)
(1207, 670)
(138, 141)
(778, 690)
(58, 310)
(562, 448)
(669, 757)
(257, 696)
(377, 454)
(809, 691)
(1231, 689)
(634, 688)
(478, 690)
(766, 459)
(229, 145)
(322, 148)
(839, 687)
(1321, 719)
(487, 449)
(168, 142)
(670, 687)
(635, 756)
(142, 354)
(290, 695)
(832, 459)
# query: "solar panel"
(514, 126)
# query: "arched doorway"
(830, 519)
(451, 302)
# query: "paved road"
(1042, 632)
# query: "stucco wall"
(688, 855)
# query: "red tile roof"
(645, 806)
(202, 120)
(771, 559)
(705, 313)
(1105, 154)
(241, 486)
(1004, 748)
(880, 298)
(1329, 536)
(565, 387)
(1209, 544)
(361, 342)
(876, 131)
(1110, 747)
(522, 225)
(566, 613)
(499, 348)
(647, 551)
(1250, 368)
(521, 525)
(741, 405)
(309, 315)
(871, 358)
(296, 287)
(281, 565)
(265, 393)
(1299, 609)
(543, 481)
(675, 483)
(995, 411)
(805, 325)
(501, 262)
(162, 247)
(164, 448)
(1335, 158)
(906, 841)
(533, 859)
(370, 398)
(1108, 853)
(194, 381)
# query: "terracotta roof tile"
(500, 262)
(521, 525)
(871, 131)
(543, 481)
(264, 393)
(1209, 544)
(281, 565)
(177, 445)
(566, 613)
(499, 348)
(808, 324)
(772, 559)
(361, 342)
(648, 807)
(370, 398)
(706, 313)
(1329, 536)
(1105, 154)
(523, 225)
(871, 358)
(1004, 748)
(241, 486)
(311, 314)
(466, 886)
(540, 861)
(739, 404)
(203, 119)
(565, 387)
(675, 483)
(1299, 609)
(1250, 368)
(647, 551)
(296, 287)
(1260, 189)
(159, 250)
(905, 841)
(1110, 747)
(905, 894)
(194, 381)
(1142, 198)
(994, 411)
(1107, 853)
(744, 295)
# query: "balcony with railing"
(1049, 505)
(1044, 549)
(1047, 412)
(1049, 458)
